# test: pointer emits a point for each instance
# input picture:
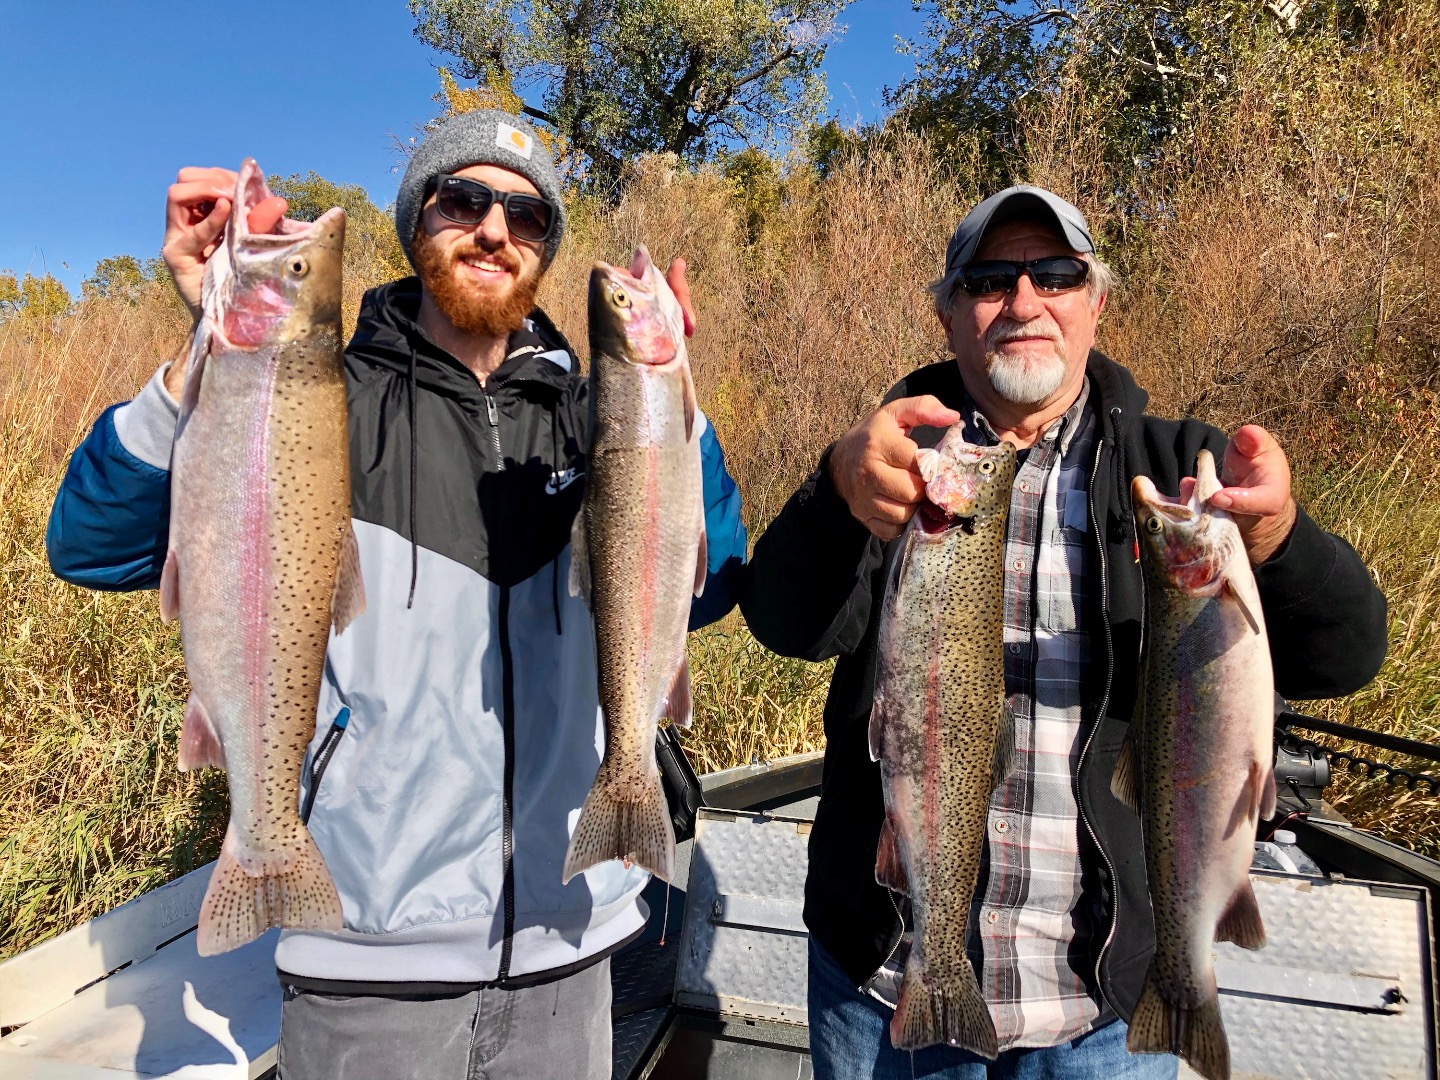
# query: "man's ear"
(1100, 304)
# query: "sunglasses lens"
(463, 201)
(529, 218)
(987, 278)
(1059, 273)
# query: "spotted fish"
(942, 730)
(1198, 765)
(637, 556)
(262, 559)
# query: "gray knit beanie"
(482, 137)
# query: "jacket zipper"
(507, 842)
(1099, 716)
(493, 414)
(321, 761)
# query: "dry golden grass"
(1276, 270)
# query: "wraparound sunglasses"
(466, 202)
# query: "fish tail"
(930, 1013)
(294, 890)
(637, 830)
(1197, 1035)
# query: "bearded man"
(458, 730)
(1061, 932)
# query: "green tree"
(120, 277)
(9, 293)
(617, 78)
(42, 300)
(372, 250)
(1155, 64)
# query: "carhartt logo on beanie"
(483, 137)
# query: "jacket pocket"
(321, 760)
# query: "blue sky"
(104, 99)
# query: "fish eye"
(621, 297)
(297, 265)
(1153, 524)
(987, 467)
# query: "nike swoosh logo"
(558, 482)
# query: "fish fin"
(1125, 780)
(1241, 921)
(1002, 763)
(927, 461)
(247, 895)
(638, 831)
(200, 744)
(688, 383)
(170, 588)
(877, 727)
(889, 870)
(190, 390)
(679, 704)
(1197, 1035)
(702, 563)
(930, 1013)
(579, 559)
(348, 602)
(1246, 604)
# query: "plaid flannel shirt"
(1030, 924)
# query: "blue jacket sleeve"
(724, 536)
(109, 526)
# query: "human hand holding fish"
(1256, 473)
(873, 464)
(197, 206)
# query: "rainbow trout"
(637, 555)
(1198, 765)
(262, 559)
(942, 730)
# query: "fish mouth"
(250, 191)
(1181, 536)
(257, 275)
(933, 520)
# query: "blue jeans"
(850, 1040)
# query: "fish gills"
(262, 558)
(637, 555)
(942, 731)
(1198, 764)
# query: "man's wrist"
(1269, 534)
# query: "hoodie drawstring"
(414, 444)
(555, 472)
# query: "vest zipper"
(507, 841)
(1099, 716)
(321, 760)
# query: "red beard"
(472, 308)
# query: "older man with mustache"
(1061, 932)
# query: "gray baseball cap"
(1020, 203)
(482, 137)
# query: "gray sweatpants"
(555, 1031)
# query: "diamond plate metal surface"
(1341, 928)
(744, 970)
(632, 1038)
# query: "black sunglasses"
(1055, 274)
(466, 202)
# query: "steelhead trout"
(1198, 764)
(942, 730)
(637, 556)
(262, 559)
